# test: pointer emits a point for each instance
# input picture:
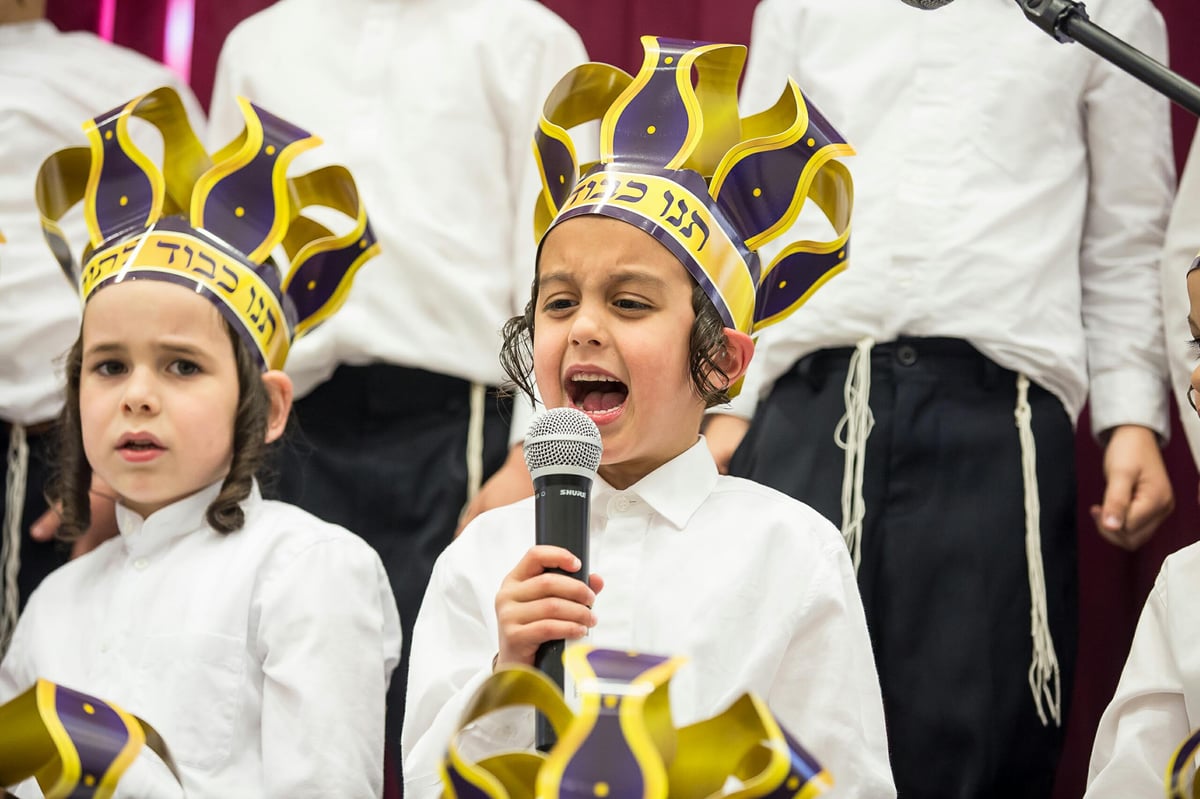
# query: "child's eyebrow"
(180, 348)
(105, 348)
(1192, 324)
(644, 278)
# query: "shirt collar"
(142, 536)
(675, 490)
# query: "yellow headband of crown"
(210, 224)
(677, 161)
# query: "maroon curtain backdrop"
(1113, 583)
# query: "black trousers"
(943, 575)
(37, 558)
(381, 450)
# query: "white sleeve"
(453, 644)
(328, 641)
(827, 692)
(1180, 249)
(1147, 717)
(1131, 182)
(225, 119)
(554, 51)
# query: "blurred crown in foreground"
(622, 742)
(75, 745)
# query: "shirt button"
(140, 564)
(906, 354)
(622, 504)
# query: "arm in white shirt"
(827, 693)
(1182, 244)
(1147, 717)
(453, 643)
(522, 86)
(1128, 131)
(328, 639)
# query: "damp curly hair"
(706, 349)
(72, 480)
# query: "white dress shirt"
(261, 656)
(432, 104)
(1179, 250)
(1009, 190)
(755, 588)
(1157, 702)
(50, 83)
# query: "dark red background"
(1113, 583)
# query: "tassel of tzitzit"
(851, 435)
(475, 441)
(10, 546)
(1044, 676)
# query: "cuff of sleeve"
(1129, 397)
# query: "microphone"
(562, 453)
(928, 5)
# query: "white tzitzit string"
(1044, 676)
(10, 545)
(851, 435)
(475, 441)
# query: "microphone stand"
(1067, 21)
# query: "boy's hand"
(724, 432)
(102, 528)
(534, 605)
(1138, 495)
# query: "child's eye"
(560, 304)
(628, 304)
(185, 368)
(1194, 346)
(109, 368)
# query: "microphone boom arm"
(1067, 21)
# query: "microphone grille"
(563, 441)
(928, 5)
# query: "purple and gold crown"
(622, 742)
(75, 745)
(677, 161)
(210, 223)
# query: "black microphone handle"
(561, 504)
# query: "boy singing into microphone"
(648, 289)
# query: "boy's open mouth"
(595, 393)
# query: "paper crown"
(1180, 778)
(677, 161)
(209, 223)
(622, 742)
(75, 745)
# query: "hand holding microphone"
(548, 596)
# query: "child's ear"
(739, 349)
(279, 391)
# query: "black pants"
(37, 558)
(943, 575)
(381, 450)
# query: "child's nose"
(586, 328)
(141, 395)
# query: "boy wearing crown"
(647, 290)
(256, 638)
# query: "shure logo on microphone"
(572, 492)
